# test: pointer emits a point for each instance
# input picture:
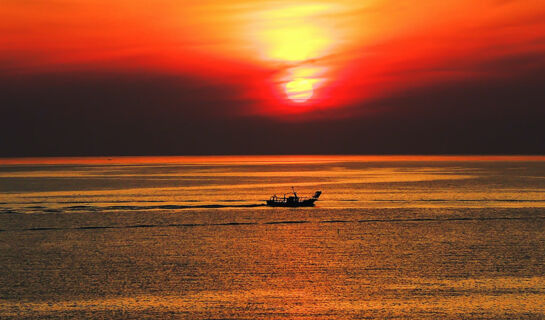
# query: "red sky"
(275, 59)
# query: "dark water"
(391, 238)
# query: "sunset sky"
(97, 77)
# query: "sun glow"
(294, 34)
(296, 43)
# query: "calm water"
(189, 238)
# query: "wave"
(457, 200)
(276, 222)
(287, 222)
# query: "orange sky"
(284, 56)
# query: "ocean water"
(190, 238)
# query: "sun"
(298, 40)
(299, 90)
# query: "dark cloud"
(57, 114)
(144, 114)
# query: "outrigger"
(293, 201)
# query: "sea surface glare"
(190, 238)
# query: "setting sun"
(298, 38)
(299, 90)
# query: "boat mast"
(294, 193)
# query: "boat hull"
(304, 203)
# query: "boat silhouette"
(293, 201)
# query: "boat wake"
(156, 207)
(106, 208)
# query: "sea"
(391, 237)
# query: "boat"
(293, 201)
